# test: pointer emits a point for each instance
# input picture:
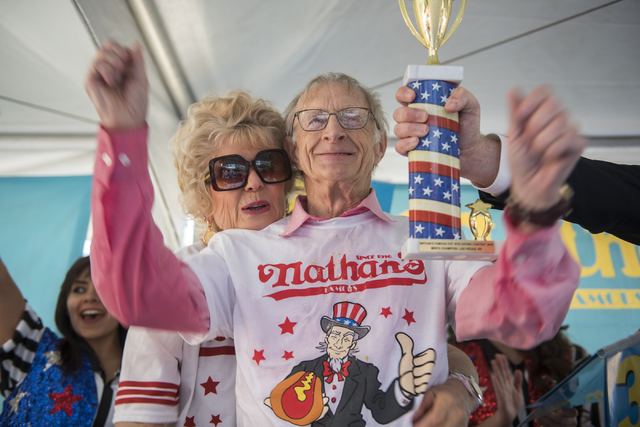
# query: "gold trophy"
(434, 165)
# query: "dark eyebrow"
(81, 282)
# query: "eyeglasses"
(232, 171)
(351, 118)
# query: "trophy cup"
(434, 165)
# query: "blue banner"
(43, 226)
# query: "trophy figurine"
(434, 165)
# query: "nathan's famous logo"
(341, 275)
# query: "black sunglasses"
(232, 171)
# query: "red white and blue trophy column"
(434, 165)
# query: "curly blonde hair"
(231, 119)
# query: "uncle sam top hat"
(348, 315)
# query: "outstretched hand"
(544, 146)
(508, 389)
(118, 87)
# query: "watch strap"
(544, 218)
(470, 384)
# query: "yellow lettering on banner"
(568, 236)
(630, 364)
(602, 245)
(599, 299)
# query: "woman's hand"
(118, 87)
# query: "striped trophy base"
(476, 250)
(434, 173)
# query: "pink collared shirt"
(299, 215)
(520, 300)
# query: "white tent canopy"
(588, 50)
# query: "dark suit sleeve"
(606, 198)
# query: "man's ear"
(290, 148)
(381, 147)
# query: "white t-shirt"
(165, 380)
(276, 295)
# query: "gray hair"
(351, 83)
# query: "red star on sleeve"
(64, 401)
(215, 420)
(286, 327)
(258, 356)
(210, 386)
(408, 316)
(287, 355)
(189, 422)
(386, 312)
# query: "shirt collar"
(300, 215)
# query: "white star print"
(438, 182)
(456, 235)
(451, 89)
(419, 228)
(415, 85)
(427, 191)
(454, 186)
(437, 133)
(426, 142)
(424, 95)
(446, 146)
(410, 191)
(435, 86)
(417, 179)
(454, 138)
(443, 99)
(446, 195)
(439, 232)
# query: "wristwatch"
(470, 384)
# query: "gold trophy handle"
(456, 23)
(409, 23)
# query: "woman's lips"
(256, 208)
(92, 315)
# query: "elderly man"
(268, 288)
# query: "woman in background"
(67, 380)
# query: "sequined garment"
(48, 396)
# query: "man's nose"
(333, 132)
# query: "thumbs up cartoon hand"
(414, 371)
